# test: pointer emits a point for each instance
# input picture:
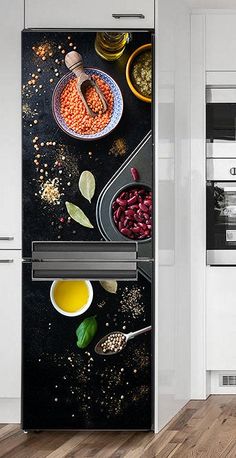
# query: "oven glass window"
(221, 215)
(220, 122)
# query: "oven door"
(221, 121)
(221, 223)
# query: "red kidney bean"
(143, 226)
(132, 200)
(125, 231)
(143, 208)
(129, 213)
(118, 212)
(147, 202)
(123, 195)
(134, 173)
(136, 230)
(121, 202)
(120, 225)
(146, 216)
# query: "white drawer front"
(10, 323)
(80, 14)
(11, 25)
(221, 318)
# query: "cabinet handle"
(7, 238)
(6, 261)
(119, 16)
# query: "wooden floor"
(203, 429)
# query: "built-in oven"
(221, 211)
(221, 121)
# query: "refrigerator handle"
(87, 260)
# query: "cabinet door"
(61, 14)
(10, 323)
(220, 42)
(221, 318)
(11, 24)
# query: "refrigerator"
(88, 230)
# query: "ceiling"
(212, 4)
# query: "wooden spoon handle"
(74, 63)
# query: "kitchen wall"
(173, 49)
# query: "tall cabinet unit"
(11, 24)
(171, 20)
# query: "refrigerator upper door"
(70, 157)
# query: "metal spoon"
(123, 338)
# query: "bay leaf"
(78, 215)
(87, 185)
(109, 285)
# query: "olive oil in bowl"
(71, 297)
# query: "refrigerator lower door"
(65, 386)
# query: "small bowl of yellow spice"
(71, 297)
(139, 73)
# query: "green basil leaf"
(87, 185)
(86, 331)
(78, 215)
(109, 285)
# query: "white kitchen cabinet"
(221, 318)
(11, 24)
(80, 14)
(10, 323)
(220, 42)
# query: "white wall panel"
(11, 25)
(198, 210)
(173, 206)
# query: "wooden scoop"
(74, 63)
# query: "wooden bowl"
(129, 65)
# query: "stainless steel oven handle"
(126, 15)
(228, 188)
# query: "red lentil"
(74, 112)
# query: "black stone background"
(80, 393)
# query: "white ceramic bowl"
(79, 312)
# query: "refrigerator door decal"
(87, 152)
